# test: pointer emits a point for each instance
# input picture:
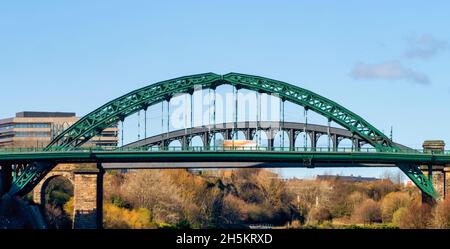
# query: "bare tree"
(154, 190)
(368, 211)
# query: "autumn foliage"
(181, 198)
(143, 199)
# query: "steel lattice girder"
(415, 174)
(25, 180)
(112, 112)
(315, 102)
(115, 110)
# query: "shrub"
(116, 217)
(119, 202)
(295, 224)
(415, 216)
(442, 214)
(392, 202)
(56, 217)
(399, 218)
(68, 208)
(320, 215)
(368, 211)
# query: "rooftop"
(45, 114)
(350, 178)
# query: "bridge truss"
(118, 109)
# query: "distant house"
(349, 178)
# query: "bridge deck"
(222, 158)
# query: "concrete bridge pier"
(88, 197)
(87, 180)
(439, 175)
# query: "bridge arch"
(39, 190)
(197, 140)
(175, 144)
(323, 140)
(215, 137)
(281, 138)
(118, 109)
(302, 138)
(126, 105)
(346, 143)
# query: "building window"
(32, 125)
(6, 127)
(5, 136)
(32, 134)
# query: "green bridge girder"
(44, 160)
(224, 154)
(118, 109)
(126, 105)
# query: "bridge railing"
(220, 148)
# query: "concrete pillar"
(435, 173)
(270, 139)
(313, 137)
(162, 145)
(357, 144)
(88, 197)
(205, 140)
(251, 134)
(227, 135)
(247, 134)
(291, 139)
(334, 140)
(270, 143)
(184, 143)
(447, 181)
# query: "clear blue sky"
(387, 61)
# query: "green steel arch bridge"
(30, 166)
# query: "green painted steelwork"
(415, 174)
(151, 156)
(405, 161)
(12, 151)
(122, 107)
(33, 173)
(118, 109)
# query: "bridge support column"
(270, 139)
(291, 140)
(313, 136)
(447, 181)
(247, 134)
(205, 140)
(334, 140)
(357, 144)
(227, 135)
(88, 197)
(436, 173)
(270, 143)
(184, 143)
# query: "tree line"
(239, 198)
